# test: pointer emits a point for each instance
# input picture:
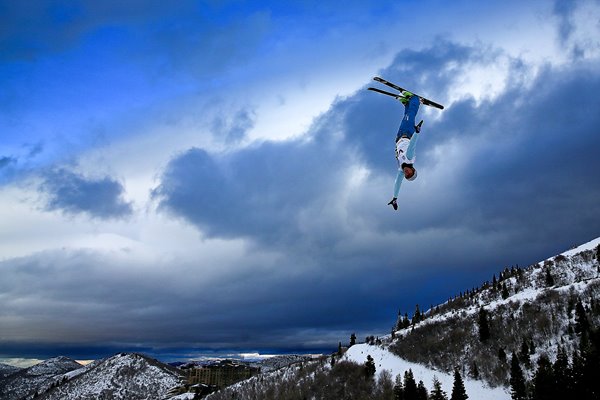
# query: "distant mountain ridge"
(126, 376)
(25, 382)
(6, 370)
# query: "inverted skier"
(406, 143)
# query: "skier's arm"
(398, 182)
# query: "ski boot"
(404, 97)
(393, 203)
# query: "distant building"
(221, 374)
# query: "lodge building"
(221, 374)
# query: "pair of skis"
(424, 101)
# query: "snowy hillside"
(26, 381)
(6, 370)
(123, 376)
(384, 360)
(529, 312)
(531, 308)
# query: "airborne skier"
(406, 143)
(408, 134)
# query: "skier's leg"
(398, 182)
(407, 126)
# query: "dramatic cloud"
(73, 194)
(495, 160)
(260, 218)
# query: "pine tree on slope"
(562, 375)
(518, 390)
(437, 393)
(458, 389)
(484, 328)
(410, 386)
(422, 391)
(398, 389)
(370, 367)
(543, 381)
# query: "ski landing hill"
(534, 305)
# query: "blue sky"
(213, 176)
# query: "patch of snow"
(591, 245)
(397, 366)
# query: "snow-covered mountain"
(532, 307)
(6, 370)
(26, 382)
(123, 376)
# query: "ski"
(424, 100)
(395, 95)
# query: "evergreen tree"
(524, 354)
(458, 388)
(505, 293)
(352, 340)
(578, 377)
(398, 389)
(340, 352)
(410, 386)
(549, 278)
(370, 367)
(484, 328)
(437, 393)
(422, 391)
(502, 355)
(591, 366)
(518, 390)
(474, 371)
(543, 380)
(582, 325)
(494, 283)
(531, 347)
(417, 317)
(405, 321)
(562, 374)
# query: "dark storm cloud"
(258, 192)
(527, 155)
(73, 194)
(86, 302)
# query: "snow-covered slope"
(591, 245)
(6, 370)
(533, 305)
(26, 382)
(397, 366)
(123, 376)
